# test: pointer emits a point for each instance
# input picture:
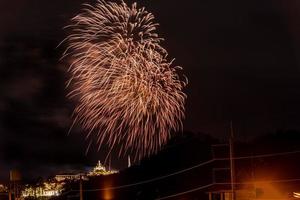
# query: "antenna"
(109, 164)
(129, 161)
(232, 171)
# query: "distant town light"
(55, 186)
(296, 195)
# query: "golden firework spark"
(129, 93)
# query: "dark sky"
(241, 58)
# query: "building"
(66, 177)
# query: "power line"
(191, 168)
(259, 156)
(266, 155)
(185, 192)
(237, 183)
(267, 181)
(206, 186)
(153, 179)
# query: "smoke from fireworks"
(129, 94)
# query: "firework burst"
(129, 94)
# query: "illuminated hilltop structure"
(101, 170)
(98, 170)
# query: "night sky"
(242, 59)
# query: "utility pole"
(9, 192)
(232, 170)
(80, 188)
(15, 190)
(214, 156)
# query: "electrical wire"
(153, 179)
(185, 192)
(266, 155)
(236, 183)
(191, 168)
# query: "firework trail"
(129, 94)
